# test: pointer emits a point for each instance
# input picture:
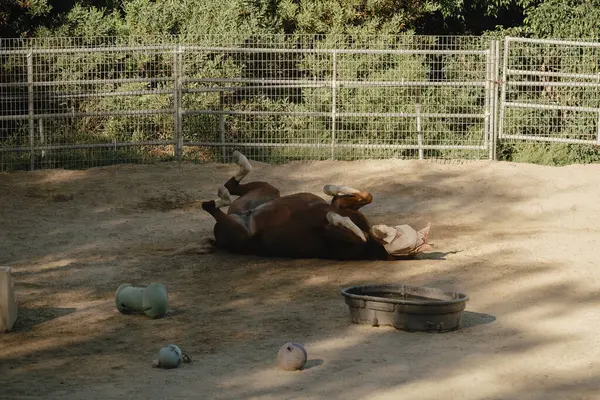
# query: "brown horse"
(262, 222)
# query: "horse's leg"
(224, 197)
(345, 197)
(252, 194)
(237, 189)
(230, 231)
(266, 189)
(342, 244)
(345, 240)
(338, 190)
(345, 222)
(243, 163)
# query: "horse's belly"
(302, 211)
(294, 242)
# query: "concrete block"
(8, 302)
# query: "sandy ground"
(520, 240)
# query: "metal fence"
(76, 103)
(550, 91)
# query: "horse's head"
(402, 240)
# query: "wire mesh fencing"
(69, 103)
(550, 91)
(77, 103)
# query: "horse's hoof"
(238, 157)
(243, 163)
(225, 196)
(208, 205)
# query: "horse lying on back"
(262, 222)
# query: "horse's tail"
(205, 246)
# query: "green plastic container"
(152, 300)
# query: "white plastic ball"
(291, 357)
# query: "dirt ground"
(520, 240)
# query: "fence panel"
(550, 91)
(372, 97)
(82, 104)
(76, 103)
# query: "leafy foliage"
(325, 24)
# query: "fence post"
(333, 101)
(598, 121)
(42, 136)
(30, 117)
(488, 120)
(495, 73)
(177, 136)
(419, 131)
(222, 125)
(598, 135)
(503, 91)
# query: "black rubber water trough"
(405, 307)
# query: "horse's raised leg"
(338, 190)
(224, 197)
(346, 241)
(237, 189)
(345, 222)
(243, 163)
(252, 194)
(267, 191)
(230, 231)
(345, 197)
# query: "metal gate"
(550, 91)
